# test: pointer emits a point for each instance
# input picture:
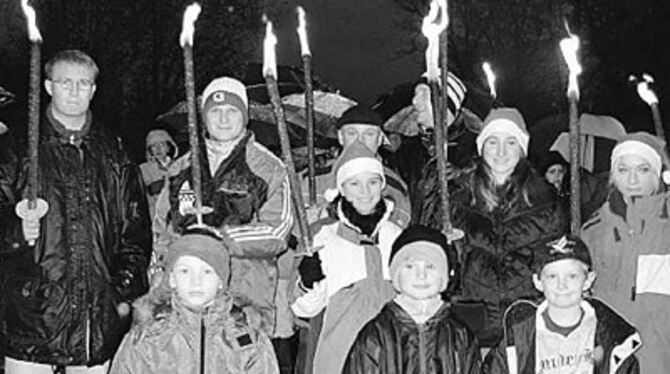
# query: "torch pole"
(575, 153)
(309, 115)
(440, 100)
(33, 123)
(189, 86)
(658, 123)
(273, 92)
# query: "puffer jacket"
(92, 253)
(393, 343)
(631, 257)
(169, 338)
(613, 348)
(250, 197)
(499, 252)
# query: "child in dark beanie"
(566, 333)
(188, 324)
(415, 332)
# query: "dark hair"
(490, 196)
(72, 56)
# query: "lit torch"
(569, 47)
(648, 95)
(186, 41)
(432, 26)
(33, 208)
(270, 74)
(309, 102)
(490, 78)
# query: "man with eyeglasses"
(68, 278)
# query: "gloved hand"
(310, 270)
(31, 230)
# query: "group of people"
(126, 273)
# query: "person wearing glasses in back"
(69, 277)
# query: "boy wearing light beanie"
(416, 331)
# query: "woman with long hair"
(505, 209)
(628, 238)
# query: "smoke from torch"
(490, 78)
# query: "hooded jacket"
(169, 338)
(250, 199)
(92, 253)
(631, 255)
(614, 343)
(499, 250)
(393, 343)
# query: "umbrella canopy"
(593, 128)
(328, 107)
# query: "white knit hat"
(355, 159)
(505, 120)
(647, 146)
(226, 90)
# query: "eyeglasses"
(68, 84)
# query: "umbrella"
(290, 81)
(593, 128)
(6, 97)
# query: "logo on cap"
(219, 97)
(560, 246)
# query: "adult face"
(633, 176)
(563, 282)
(370, 135)
(363, 191)
(555, 174)
(195, 281)
(71, 87)
(224, 122)
(419, 279)
(502, 153)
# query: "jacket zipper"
(202, 343)
(422, 351)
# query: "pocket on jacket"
(653, 274)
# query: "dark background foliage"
(362, 47)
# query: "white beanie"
(226, 90)
(505, 120)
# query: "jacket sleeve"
(134, 248)
(267, 236)
(471, 360)
(496, 360)
(363, 357)
(265, 361)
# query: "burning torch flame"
(302, 32)
(490, 78)
(569, 48)
(431, 30)
(269, 56)
(644, 90)
(188, 26)
(33, 32)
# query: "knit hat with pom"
(647, 146)
(355, 159)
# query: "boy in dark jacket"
(416, 332)
(566, 333)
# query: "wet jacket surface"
(499, 250)
(630, 247)
(394, 343)
(616, 340)
(92, 253)
(250, 197)
(174, 339)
